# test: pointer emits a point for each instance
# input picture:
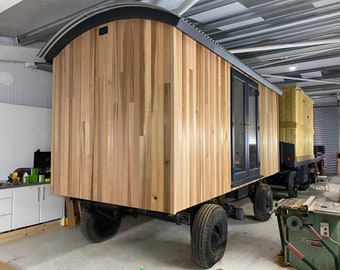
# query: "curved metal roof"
(112, 12)
(270, 36)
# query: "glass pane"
(239, 134)
(252, 128)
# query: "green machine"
(310, 233)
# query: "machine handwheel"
(96, 227)
(263, 202)
(209, 235)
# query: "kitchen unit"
(27, 205)
(6, 196)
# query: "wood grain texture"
(141, 118)
(296, 121)
(269, 131)
(201, 124)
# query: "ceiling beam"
(11, 53)
(322, 29)
(323, 92)
(185, 6)
(205, 5)
(269, 56)
(301, 79)
(304, 66)
(265, 10)
(285, 46)
(46, 31)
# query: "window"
(245, 154)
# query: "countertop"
(4, 184)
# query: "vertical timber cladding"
(111, 115)
(201, 126)
(269, 131)
(296, 121)
(141, 118)
(73, 118)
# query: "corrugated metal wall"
(326, 132)
(25, 86)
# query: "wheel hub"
(216, 237)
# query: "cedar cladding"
(141, 118)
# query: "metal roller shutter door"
(326, 132)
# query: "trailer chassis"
(208, 221)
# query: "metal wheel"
(96, 227)
(292, 186)
(209, 235)
(263, 202)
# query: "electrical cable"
(334, 241)
(319, 238)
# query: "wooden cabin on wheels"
(151, 116)
(300, 162)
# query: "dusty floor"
(146, 243)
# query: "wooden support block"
(79, 207)
(28, 231)
(70, 213)
(5, 266)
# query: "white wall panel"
(23, 131)
(25, 86)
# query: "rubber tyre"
(292, 186)
(263, 202)
(312, 177)
(209, 235)
(305, 185)
(239, 214)
(97, 228)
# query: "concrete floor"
(153, 244)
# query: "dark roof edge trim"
(112, 12)
(101, 15)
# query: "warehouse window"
(245, 154)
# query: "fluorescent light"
(6, 4)
(292, 67)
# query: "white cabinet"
(26, 203)
(35, 204)
(51, 206)
(6, 209)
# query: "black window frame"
(248, 174)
